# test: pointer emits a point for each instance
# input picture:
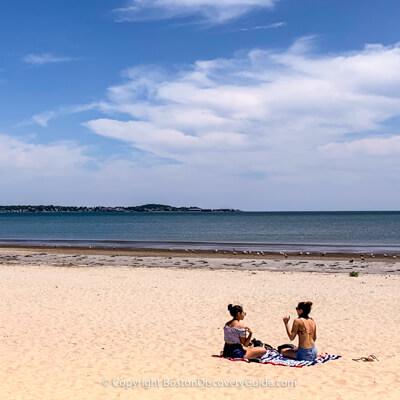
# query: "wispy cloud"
(263, 27)
(212, 11)
(43, 118)
(276, 25)
(45, 58)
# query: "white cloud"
(44, 58)
(210, 10)
(166, 142)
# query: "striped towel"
(274, 358)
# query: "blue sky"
(251, 104)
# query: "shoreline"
(217, 253)
(210, 260)
(333, 250)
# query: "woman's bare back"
(307, 332)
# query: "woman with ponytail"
(236, 339)
(305, 327)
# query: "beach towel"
(274, 358)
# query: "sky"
(259, 105)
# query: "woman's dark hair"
(234, 310)
(305, 306)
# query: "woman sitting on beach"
(235, 338)
(305, 327)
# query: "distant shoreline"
(154, 208)
(22, 209)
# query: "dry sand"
(66, 328)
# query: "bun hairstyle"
(234, 310)
(305, 306)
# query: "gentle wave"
(221, 246)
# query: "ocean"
(268, 231)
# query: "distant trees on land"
(83, 209)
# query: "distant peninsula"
(102, 209)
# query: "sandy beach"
(80, 325)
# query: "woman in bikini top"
(306, 341)
(305, 327)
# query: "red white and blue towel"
(274, 358)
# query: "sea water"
(274, 231)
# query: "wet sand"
(79, 256)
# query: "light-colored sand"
(63, 330)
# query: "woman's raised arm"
(291, 333)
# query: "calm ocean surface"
(274, 231)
